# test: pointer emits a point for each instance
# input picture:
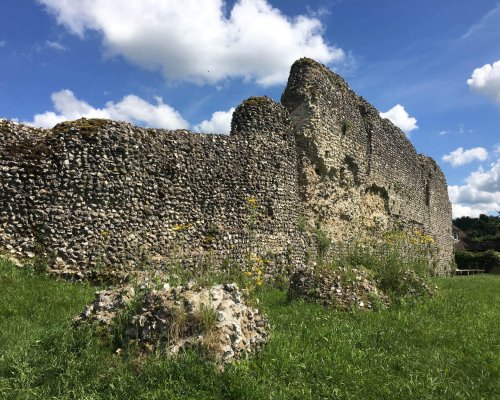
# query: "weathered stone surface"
(359, 175)
(106, 306)
(98, 195)
(217, 319)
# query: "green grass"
(444, 348)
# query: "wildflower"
(180, 227)
(252, 201)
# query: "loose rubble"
(341, 288)
(216, 320)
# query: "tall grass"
(401, 263)
(443, 348)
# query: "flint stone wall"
(104, 194)
(98, 193)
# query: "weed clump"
(400, 263)
(367, 275)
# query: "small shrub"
(117, 334)
(206, 317)
(302, 224)
(179, 324)
(42, 261)
(323, 243)
(346, 125)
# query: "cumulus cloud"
(399, 117)
(458, 210)
(131, 108)
(486, 81)
(200, 41)
(219, 123)
(480, 194)
(460, 156)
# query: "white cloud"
(480, 194)
(200, 41)
(219, 123)
(399, 117)
(486, 81)
(461, 157)
(2, 43)
(55, 45)
(488, 24)
(50, 45)
(459, 210)
(131, 108)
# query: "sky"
(431, 67)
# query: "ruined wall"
(102, 194)
(359, 175)
(97, 193)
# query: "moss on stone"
(259, 101)
(307, 61)
(82, 124)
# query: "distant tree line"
(482, 237)
(479, 229)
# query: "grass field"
(444, 348)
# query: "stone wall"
(359, 175)
(101, 194)
(97, 193)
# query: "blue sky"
(432, 67)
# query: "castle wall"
(97, 193)
(359, 174)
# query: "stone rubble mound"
(217, 320)
(414, 285)
(341, 288)
(106, 306)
